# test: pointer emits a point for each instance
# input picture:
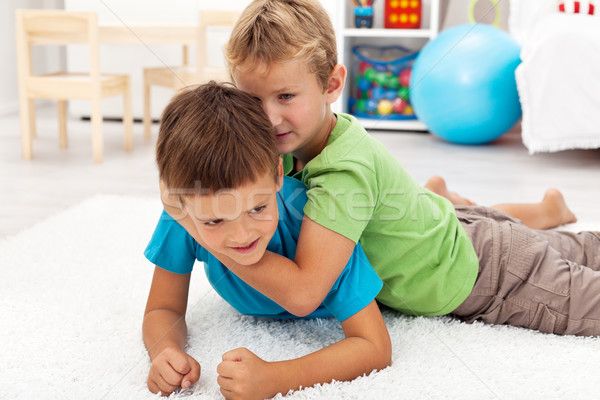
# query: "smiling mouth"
(282, 135)
(246, 249)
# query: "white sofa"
(559, 77)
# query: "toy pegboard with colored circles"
(404, 14)
(380, 79)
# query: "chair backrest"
(212, 19)
(56, 27)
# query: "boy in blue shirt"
(227, 198)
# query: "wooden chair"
(177, 77)
(57, 27)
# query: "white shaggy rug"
(73, 291)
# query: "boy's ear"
(280, 174)
(335, 85)
(172, 203)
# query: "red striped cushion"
(577, 7)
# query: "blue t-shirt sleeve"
(171, 247)
(356, 287)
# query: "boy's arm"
(300, 285)
(367, 347)
(165, 333)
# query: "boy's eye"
(258, 210)
(214, 222)
(287, 96)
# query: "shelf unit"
(348, 36)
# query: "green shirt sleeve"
(342, 198)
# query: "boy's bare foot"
(556, 207)
(437, 185)
(549, 213)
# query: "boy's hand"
(244, 375)
(172, 369)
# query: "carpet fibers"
(73, 290)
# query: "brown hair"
(270, 31)
(214, 137)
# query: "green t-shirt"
(410, 235)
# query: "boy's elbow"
(386, 356)
(301, 306)
(383, 352)
(302, 310)
(305, 297)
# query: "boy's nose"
(239, 233)
(273, 114)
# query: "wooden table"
(184, 34)
(147, 34)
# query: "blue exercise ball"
(463, 84)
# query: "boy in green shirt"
(473, 263)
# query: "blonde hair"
(271, 31)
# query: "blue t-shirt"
(175, 250)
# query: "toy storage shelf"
(349, 36)
(389, 33)
(384, 124)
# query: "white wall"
(132, 59)
(132, 11)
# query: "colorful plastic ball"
(404, 77)
(403, 92)
(392, 82)
(464, 84)
(380, 68)
(370, 74)
(364, 84)
(371, 105)
(399, 105)
(390, 94)
(408, 110)
(361, 105)
(351, 103)
(381, 78)
(363, 66)
(377, 93)
(384, 107)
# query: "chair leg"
(32, 127)
(97, 144)
(147, 117)
(62, 124)
(128, 117)
(26, 116)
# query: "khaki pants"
(543, 280)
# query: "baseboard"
(118, 119)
